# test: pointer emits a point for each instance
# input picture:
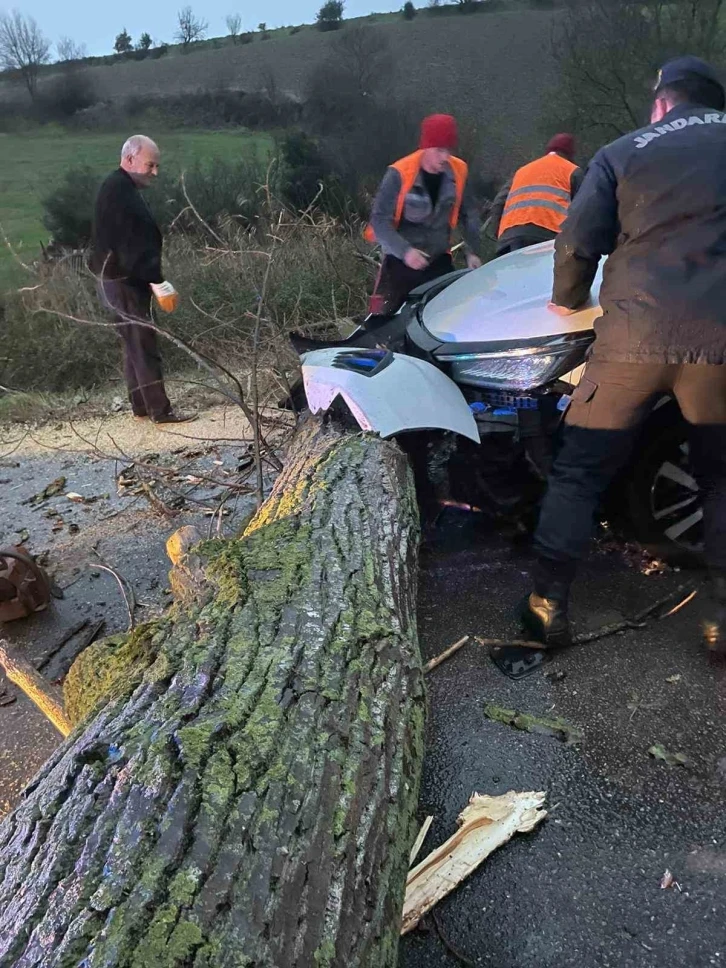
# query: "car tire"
(661, 497)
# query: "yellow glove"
(166, 296)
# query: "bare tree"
(609, 52)
(69, 50)
(234, 25)
(23, 48)
(190, 28)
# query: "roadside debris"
(659, 752)
(446, 654)
(418, 842)
(44, 658)
(89, 499)
(126, 591)
(517, 658)
(485, 824)
(636, 705)
(6, 698)
(672, 680)
(55, 487)
(541, 725)
(556, 675)
(668, 881)
(39, 690)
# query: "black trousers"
(601, 427)
(131, 306)
(395, 281)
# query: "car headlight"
(517, 369)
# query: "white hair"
(133, 145)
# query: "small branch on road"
(447, 653)
(129, 598)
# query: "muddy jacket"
(126, 239)
(422, 225)
(654, 202)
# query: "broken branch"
(485, 824)
(35, 687)
(447, 653)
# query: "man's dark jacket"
(126, 239)
(655, 202)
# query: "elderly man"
(421, 200)
(126, 259)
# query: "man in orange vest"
(532, 207)
(421, 200)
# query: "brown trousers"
(131, 306)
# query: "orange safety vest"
(408, 168)
(540, 194)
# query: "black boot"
(714, 625)
(544, 612)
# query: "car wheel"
(662, 497)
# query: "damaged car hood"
(506, 299)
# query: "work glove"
(166, 296)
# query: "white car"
(479, 355)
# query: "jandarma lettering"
(643, 139)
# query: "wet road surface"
(119, 528)
(584, 888)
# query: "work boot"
(714, 625)
(544, 612)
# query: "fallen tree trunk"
(243, 789)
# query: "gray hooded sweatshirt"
(423, 226)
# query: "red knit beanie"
(439, 131)
(562, 143)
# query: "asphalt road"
(584, 888)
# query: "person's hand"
(473, 261)
(416, 259)
(166, 296)
(561, 310)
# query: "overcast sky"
(96, 24)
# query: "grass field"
(33, 162)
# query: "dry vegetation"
(295, 273)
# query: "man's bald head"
(140, 159)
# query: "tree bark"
(244, 793)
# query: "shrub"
(295, 30)
(330, 15)
(68, 209)
(66, 94)
(246, 38)
(409, 11)
(157, 52)
(304, 169)
(265, 36)
(223, 193)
